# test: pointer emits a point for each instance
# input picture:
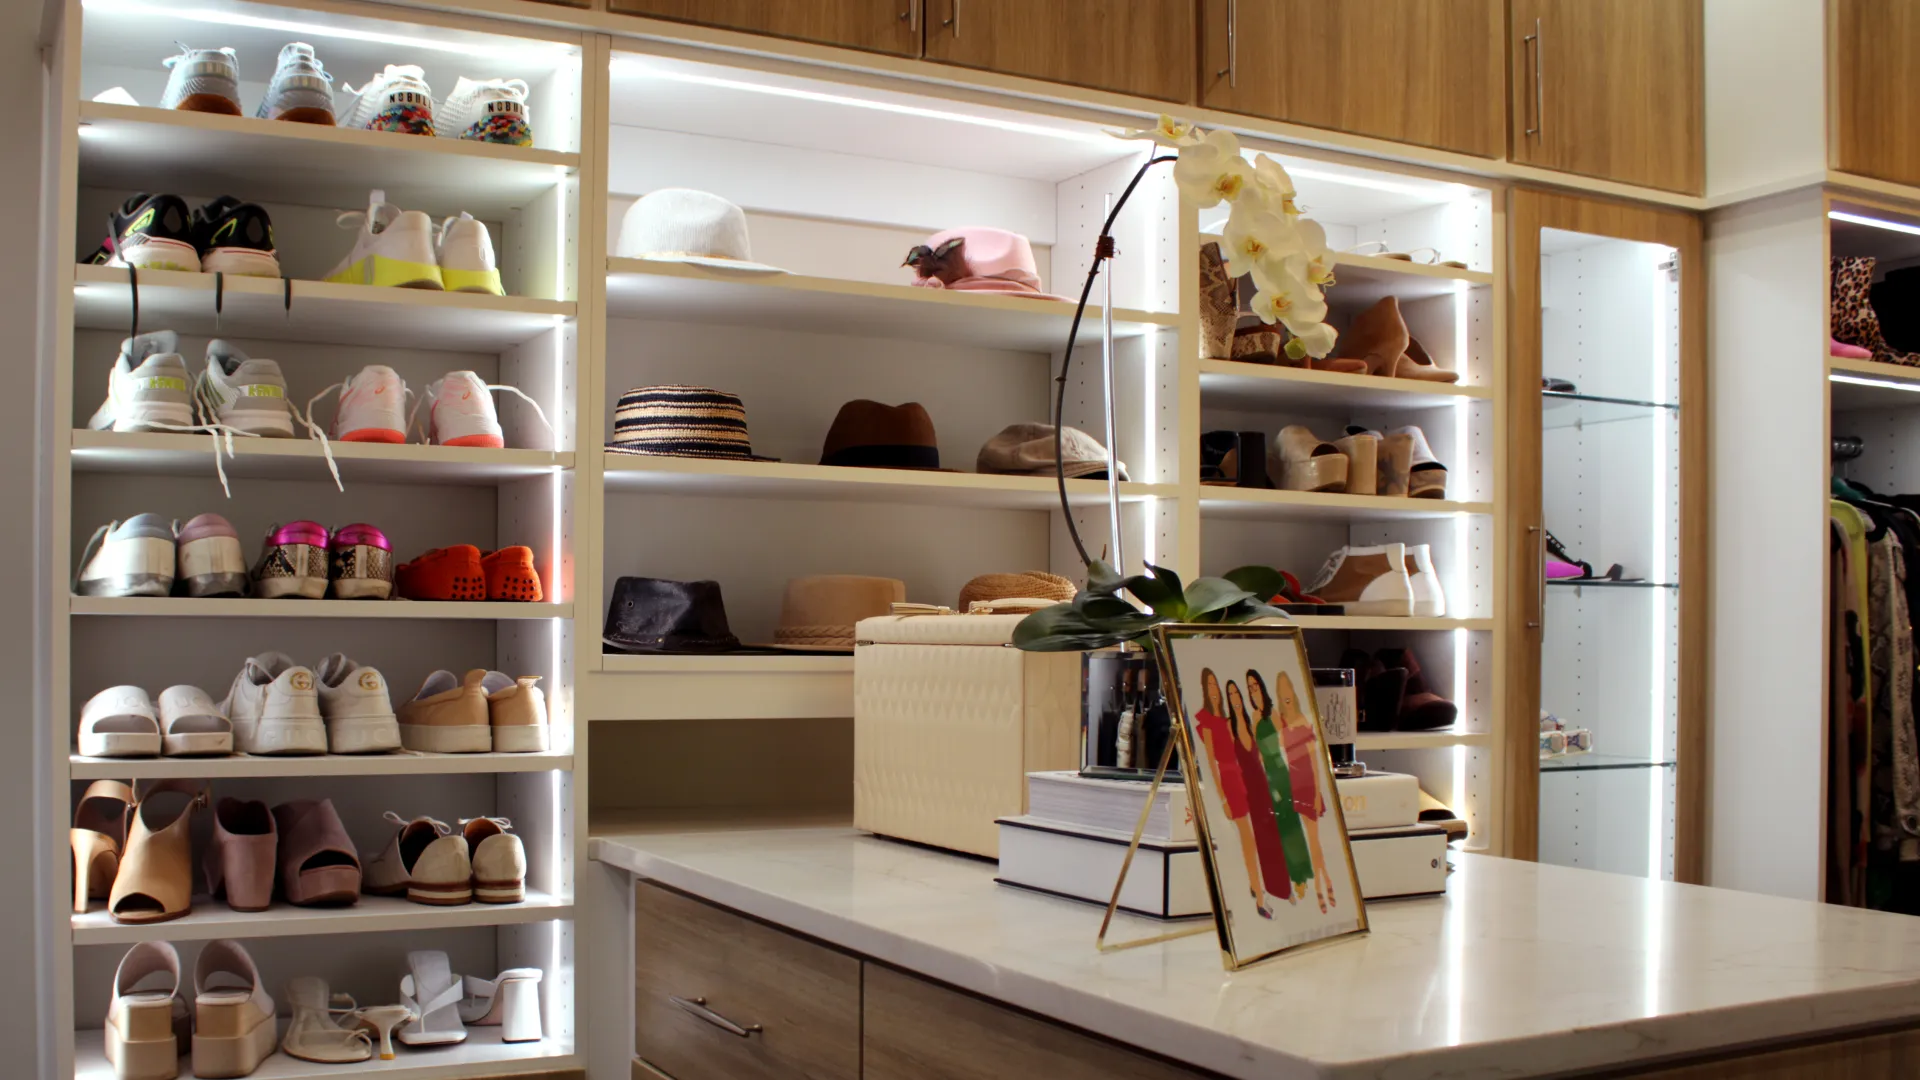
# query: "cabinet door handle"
(953, 17)
(1539, 576)
(911, 16)
(1533, 42)
(1232, 70)
(698, 1007)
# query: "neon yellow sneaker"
(393, 248)
(465, 254)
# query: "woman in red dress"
(1308, 797)
(1211, 722)
(1253, 792)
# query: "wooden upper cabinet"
(1875, 88)
(1141, 47)
(1425, 72)
(1610, 88)
(889, 26)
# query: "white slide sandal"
(511, 1000)
(432, 992)
(119, 722)
(192, 725)
(141, 1040)
(233, 1018)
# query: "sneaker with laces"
(244, 394)
(150, 232)
(134, 557)
(301, 90)
(275, 707)
(203, 80)
(293, 562)
(460, 412)
(486, 110)
(148, 388)
(393, 247)
(464, 251)
(395, 100)
(209, 559)
(356, 708)
(360, 563)
(372, 407)
(1367, 580)
(232, 237)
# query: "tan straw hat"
(1031, 585)
(819, 612)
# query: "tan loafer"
(499, 860)
(448, 715)
(518, 712)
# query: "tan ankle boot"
(1377, 336)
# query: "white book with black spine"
(1374, 801)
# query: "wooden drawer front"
(804, 997)
(889, 26)
(917, 1030)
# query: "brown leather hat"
(1031, 585)
(867, 434)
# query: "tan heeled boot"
(1416, 364)
(1378, 337)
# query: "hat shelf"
(782, 480)
(536, 209)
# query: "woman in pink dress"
(1211, 722)
(1303, 756)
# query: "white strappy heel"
(511, 1000)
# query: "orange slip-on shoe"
(511, 576)
(448, 573)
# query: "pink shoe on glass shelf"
(1839, 348)
(293, 563)
(360, 563)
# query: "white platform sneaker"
(1368, 580)
(356, 707)
(275, 707)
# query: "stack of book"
(1074, 836)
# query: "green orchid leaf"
(1207, 595)
(1249, 610)
(1261, 581)
(1095, 607)
(1061, 628)
(1103, 579)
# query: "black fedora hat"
(653, 615)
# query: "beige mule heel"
(1426, 477)
(1305, 463)
(98, 834)
(233, 1025)
(155, 881)
(1363, 461)
(140, 1039)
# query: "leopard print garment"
(1854, 321)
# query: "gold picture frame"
(1261, 839)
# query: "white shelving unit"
(543, 214)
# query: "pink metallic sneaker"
(210, 562)
(293, 563)
(360, 563)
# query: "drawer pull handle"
(698, 1007)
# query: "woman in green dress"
(1273, 757)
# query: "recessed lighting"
(518, 48)
(1873, 222)
(1884, 384)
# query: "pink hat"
(978, 259)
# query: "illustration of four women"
(1268, 781)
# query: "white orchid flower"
(1212, 170)
(1315, 340)
(1167, 132)
(1282, 295)
(1254, 236)
(1273, 183)
(1313, 242)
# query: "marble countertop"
(1520, 970)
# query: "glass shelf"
(1598, 762)
(1563, 410)
(1603, 583)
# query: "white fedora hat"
(682, 225)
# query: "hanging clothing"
(1850, 710)
(1895, 803)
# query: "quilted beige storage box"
(948, 718)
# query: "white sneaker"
(1368, 580)
(357, 710)
(148, 388)
(395, 100)
(393, 247)
(460, 412)
(244, 394)
(301, 90)
(1428, 601)
(134, 557)
(465, 254)
(275, 708)
(203, 80)
(372, 407)
(487, 110)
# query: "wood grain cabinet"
(1142, 47)
(1875, 88)
(1425, 72)
(888, 26)
(1610, 88)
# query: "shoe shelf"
(300, 458)
(1420, 740)
(482, 1054)
(1277, 505)
(211, 919)
(641, 288)
(791, 686)
(137, 148)
(251, 608)
(1598, 762)
(402, 763)
(1389, 622)
(1361, 280)
(1237, 384)
(321, 311)
(1869, 384)
(786, 480)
